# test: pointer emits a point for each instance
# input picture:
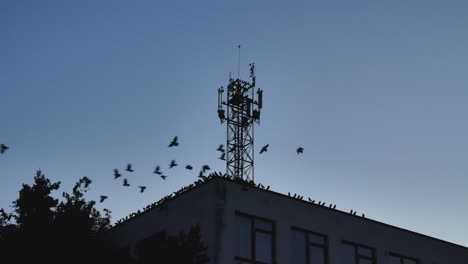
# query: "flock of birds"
(202, 178)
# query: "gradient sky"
(376, 93)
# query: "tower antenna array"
(241, 111)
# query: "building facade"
(242, 223)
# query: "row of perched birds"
(174, 143)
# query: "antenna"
(241, 111)
(238, 61)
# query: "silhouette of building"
(242, 223)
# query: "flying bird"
(3, 148)
(300, 150)
(157, 170)
(142, 188)
(116, 174)
(205, 168)
(86, 181)
(223, 156)
(129, 168)
(220, 148)
(174, 143)
(102, 198)
(173, 164)
(264, 148)
(126, 183)
(163, 177)
(188, 167)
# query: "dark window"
(354, 253)
(400, 259)
(255, 239)
(308, 247)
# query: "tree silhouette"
(45, 230)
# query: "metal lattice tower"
(240, 111)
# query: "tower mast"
(241, 111)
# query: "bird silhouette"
(174, 143)
(163, 177)
(102, 198)
(223, 156)
(268, 187)
(220, 148)
(142, 188)
(363, 215)
(334, 206)
(157, 170)
(173, 164)
(205, 168)
(116, 174)
(351, 212)
(300, 150)
(86, 181)
(129, 168)
(200, 174)
(264, 148)
(126, 183)
(3, 148)
(188, 167)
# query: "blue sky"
(376, 93)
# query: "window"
(308, 247)
(400, 259)
(354, 253)
(255, 239)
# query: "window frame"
(403, 257)
(253, 231)
(309, 244)
(357, 255)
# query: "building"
(243, 223)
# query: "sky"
(376, 93)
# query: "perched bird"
(205, 168)
(331, 205)
(334, 206)
(363, 215)
(163, 177)
(200, 174)
(173, 164)
(102, 198)
(300, 150)
(86, 181)
(223, 156)
(126, 183)
(116, 174)
(3, 148)
(351, 212)
(220, 148)
(310, 200)
(188, 167)
(142, 188)
(268, 187)
(129, 168)
(289, 194)
(264, 148)
(157, 170)
(174, 143)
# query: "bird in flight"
(205, 168)
(188, 167)
(116, 174)
(173, 164)
(223, 156)
(102, 198)
(163, 177)
(157, 170)
(174, 142)
(300, 150)
(86, 181)
(220, 148)
(142, 188)
(129, 168)
(264, 148)
(126, 183)
(3, 148)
